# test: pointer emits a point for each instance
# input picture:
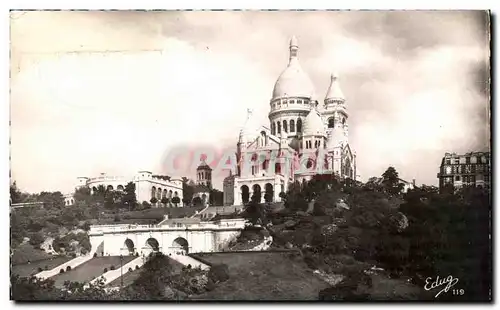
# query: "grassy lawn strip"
(263, 276)
(91, 269)
(26, 270)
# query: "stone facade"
(174, 236)
(303, 139)
(147, 186)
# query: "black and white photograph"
(250, 155)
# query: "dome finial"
(294, 48)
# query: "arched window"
(285, 126)
(273, 128)
(299, 125)
(279, 127)
(277, 168)
(331, 123)
(292, 125)
(343, 120)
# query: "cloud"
(113, 91)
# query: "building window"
(292, 101)
(331, 123)
(285, 126)
(457, 178)
(279, 127)
(447, 161)
(292, 125)
(299, 101)
(277, 168)
(467, 160)
(273, 128)
(299, 125)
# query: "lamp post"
(121, 270)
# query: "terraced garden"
(26, 270)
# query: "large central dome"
(293, 81)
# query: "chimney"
(414, 185)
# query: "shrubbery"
(219, 273)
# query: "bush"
(40, 269)
(136, 267)
(105, 270)
(130, 269)
(61, 271)
(219, 273)
(68, 268)
(117, 218)
(73, 255)
(36, 240)
(46, 268)
(95, 254)
(112, 267)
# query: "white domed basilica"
(303, 139)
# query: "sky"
(113, 92)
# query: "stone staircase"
(112, 275)
(75, 262)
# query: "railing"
(106, 178)
(95, 229)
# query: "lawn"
(90, 269)
(26, 252)
(25, 270)
(130, 277)
(263, 276)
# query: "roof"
(203, 166)
(334, 91)
(293, 81)
(313, 124)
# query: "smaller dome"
(334, 91)
(313, 124)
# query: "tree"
(187, 189)
(176, 200)
(153, 200)
(216, 197)
(390, 181)
(197, 201)
(165, 201)
(129, 198)
(36, 239)
(15, 193)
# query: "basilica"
(303, 138)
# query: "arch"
(153, 192)
(180, 245)
(158, 193)
(153, 244)
(94, 190)
(245, 194)
(309, 163)
(176, 194)
(269, 195)
(109, 188)
(129, 246)
(120, 187)
(331, 122)
(164, 193)
(285, 126)
(299, 125)
(273, 128)
(292, 125)
(204, 198)
(170, 194)
(279, 127)
(257, 192)
(343, 120)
